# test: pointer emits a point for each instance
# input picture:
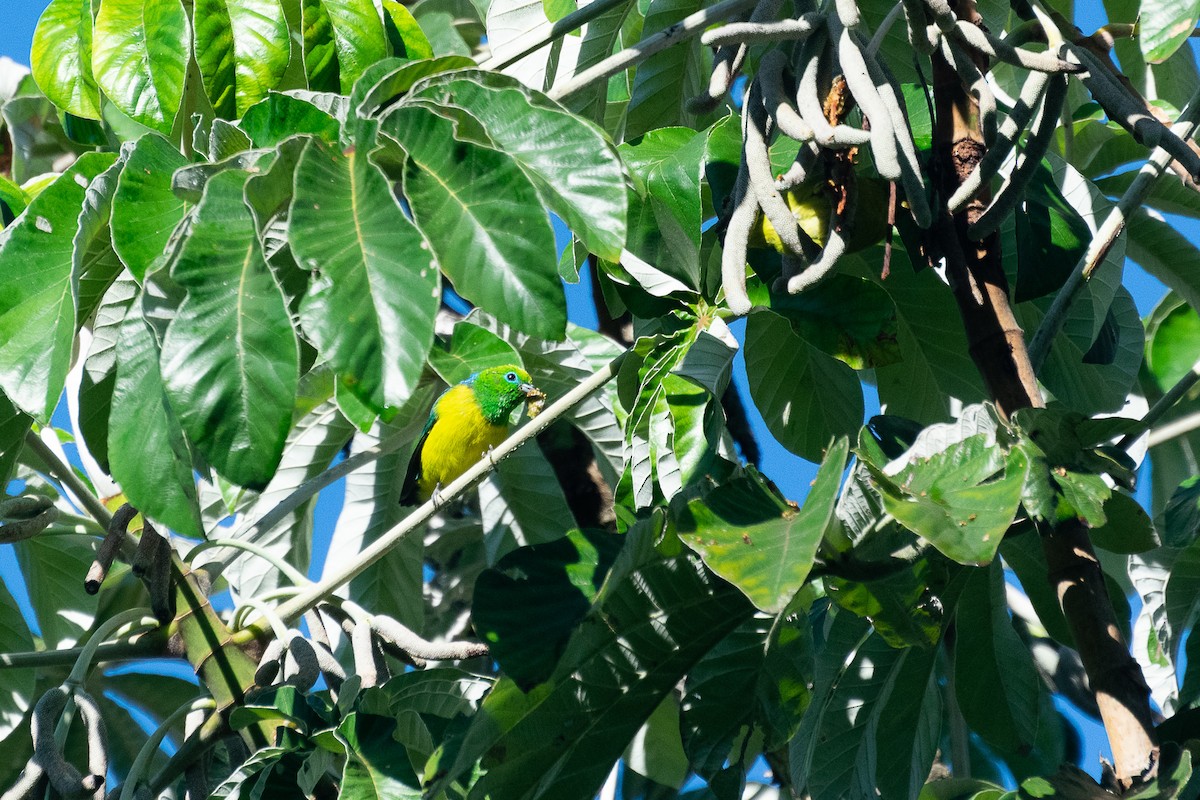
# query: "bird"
(467, 421)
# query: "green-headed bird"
(467, 421)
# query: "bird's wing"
(412, 478)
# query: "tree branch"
(310, 596)
(67, 477)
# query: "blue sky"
(17, 21)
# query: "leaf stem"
(138, 646)
(292, 609)
(136, 617)
(67, 477)
(1102, 241)
(547, 32)
(681, 31)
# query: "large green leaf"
(648, 631)
(995, 680)
(531, 502)
(483, 220)
(934, 365)
(756, 541)
(376, 769)
(230, 358)
(1172, 341)
(279, 116)
(61, 57)
(665, 212)
(572, 164)
(472, 348)
(375, 289)
(871, 722)
(145, 210)
(241, 50)
(13, 426)
(617, 27)
(851, 319)
(94, 264)
(341, 39)
(53, 568)
(1164, 252)
(37, 290)
(1164, 25)
(955, 500)
(139, 57)
(147, 451)
(665, 81)
(806, 397)
(529, 604)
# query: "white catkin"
(787, 119)
(848, 13)
(28, 784)
(917, 22)
(364, 654)
(822, 268)
(737, 242)
(1006, 138)
(969, 72)
(976, 38)
(910, 163)
(269, 664)
(808, 102)
(1040, 134)
(97, 741)
(762, 32)
(858, 81)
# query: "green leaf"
(851, 319)
(385, 82)
(279, 116)
(1182, 596)
(19, 683)
(615, 28)
(1164, 25)
(374, 294)
(1172, 341)
(1164, 252)
(472, 348)
(94, 265)
(629, 652)
(148, 454)
(527, 607)
(483, 221)
(341, 39)
(230, 358)
(665, 212)
(534, 508)
(61, 57)
(52, 567)
(955, 499)
(806, 397)
(756, 541)
(1092, 375)
(665, 81)
(139, 57)
(573, 166)
(1181, 517)
(241, 50)
(897, 605)
(404, 34)
(145, 210)
(870, 708)
(1024, 555)
(994, 677)
(1128, 528)
(935, 364)
(376, 769)
(13, 427)
(38, 287)
(1051, 238)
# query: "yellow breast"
(458, 439)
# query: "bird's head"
(499, 390)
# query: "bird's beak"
(529, 390)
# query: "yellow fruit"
(811, 207)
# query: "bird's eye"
(511, 377)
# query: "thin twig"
(1162, 406)
(1174, 428)
(685, 29)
